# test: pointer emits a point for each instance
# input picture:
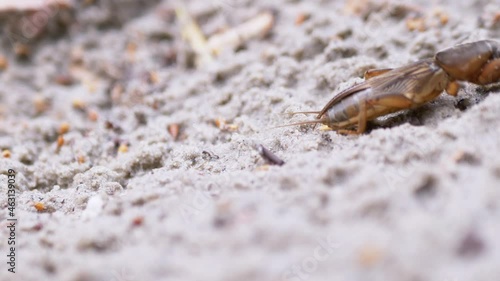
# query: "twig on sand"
(192, 33)
(207, 49)
(258, 26)
(270, 157)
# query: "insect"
(390, 90)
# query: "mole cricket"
(389, 90)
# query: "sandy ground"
(415, 198)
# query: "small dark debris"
(35, 228)
(324, 200)
(170, 57)
(225, 100)
(270, 157)
(301, 18)
(208, 156)
(173, 130)
(378, 52)
(22, 51)
(161, 36)
(287, 184)
(463, 104)
(415, 120)
(117, 142)
(64, 79)
(496, 171)
(335, 176)
(471, 245)
(341, 52)
(221, 221)
(375, 209)
(427, 189)
(49, 267)
(401, 11)
(141, 117)
(112, 126)
(96, 245)
(46, 243)
(327, 138)
(137, 221)
(464, 157)
(344, 34)
(167, 14)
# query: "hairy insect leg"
(361, 128)
(389, 101)
(393, 101)
(490, 73)
(375, 72)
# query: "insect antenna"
(321, 120)
(311, 122)
(303, 112)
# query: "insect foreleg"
(490, 72)
(452, 88)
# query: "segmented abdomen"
(342, 114)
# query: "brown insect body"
(390, 90)
(387, 93)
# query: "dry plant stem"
(193, 34)
(234, 37)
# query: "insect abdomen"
(342, 113)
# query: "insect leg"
(362, 118)
(452, 88)
(361, 128)
(490, 73)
